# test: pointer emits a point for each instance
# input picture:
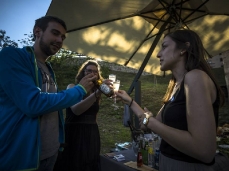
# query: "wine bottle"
(104, 88)
(139, 158)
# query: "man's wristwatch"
(146, 119)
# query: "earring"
(181, 53)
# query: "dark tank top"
(87, 117)
(174, 115)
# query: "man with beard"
(31, 118)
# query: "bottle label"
(150, 150)
(104, 88)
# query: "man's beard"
(45, 48)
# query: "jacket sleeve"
(17, 83)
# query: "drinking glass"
(112, 77)
(116, 86)
(135, 146)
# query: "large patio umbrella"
(128, 32)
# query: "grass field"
(110, 120)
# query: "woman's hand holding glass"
(108, 82)
(123, 96)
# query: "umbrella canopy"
(129, 32)
(124, 31)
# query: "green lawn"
(110, 120)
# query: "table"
(113, 165)
(109, 164)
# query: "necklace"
(177, 84)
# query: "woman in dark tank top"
(82, 137)
(188, 119)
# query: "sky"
(17, 17)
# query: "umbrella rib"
(189, 21)
(217, 14)
(156, 18)
(162, 9)
(159, 33)
(180, 10)
(182, 2)
(143, 41)
(99, 23)
(148, 55)
(180, 19)
(166, 8)
(174, 11)
(195, 10)
(207, 53)
(139, 46)
(164, 2)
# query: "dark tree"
(5, 40)
(28, 41)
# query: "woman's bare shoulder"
(199, 81)
(196, 75)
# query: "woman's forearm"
(136, 109)
(85, 104)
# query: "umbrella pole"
(135, 81)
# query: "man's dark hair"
(43, 23)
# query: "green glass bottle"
(145, 153)
(104, 88)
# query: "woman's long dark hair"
(81, 72)
(196, 58)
